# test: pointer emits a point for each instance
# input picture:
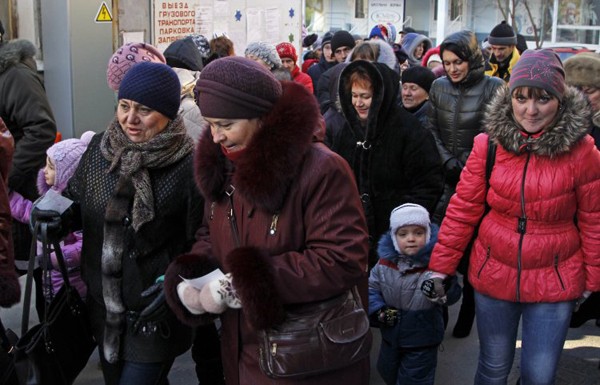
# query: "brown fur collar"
(273, 157)
(572, 125)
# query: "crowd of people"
(380, 164)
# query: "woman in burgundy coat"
(302, 233)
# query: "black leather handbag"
(316, 338)
(56, 350)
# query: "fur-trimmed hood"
(273, 157)
(571, 126)
(14, 52)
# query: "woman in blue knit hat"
(139, 209)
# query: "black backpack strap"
(489, 166)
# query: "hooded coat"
(397, 161)
(410, 42)
(456, 112)
(540, 241)
(302, 233)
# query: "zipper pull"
(273, 227)
(274, 349)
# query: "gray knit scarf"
(131, 161)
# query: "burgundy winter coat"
(541, 240)
(301, 226)
(10, 290)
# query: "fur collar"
(572, 125)
(14, 52)
(386, 250)
(273, 157)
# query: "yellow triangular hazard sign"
(103, 15)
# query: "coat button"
(126, 221)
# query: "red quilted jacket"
(540, 242)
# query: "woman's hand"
(190, 298)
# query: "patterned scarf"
(132, 161)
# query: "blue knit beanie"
(154, 85)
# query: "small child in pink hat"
(61, 162)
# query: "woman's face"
(533, 113)
(593, 94)
(456, 68)
(138, 122)
(258, 60)
(233, 134)
(361, 100)
(419, 51)
(413, 95)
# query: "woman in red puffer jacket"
(537, 252)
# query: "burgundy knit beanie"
(234, 87)
(540, 69)
(125, 57)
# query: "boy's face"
(411, 239)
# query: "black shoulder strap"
(489, 163)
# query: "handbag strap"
(42, 229)
(29, 281)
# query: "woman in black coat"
(393, 157)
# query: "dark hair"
(531, 92)
(361, 77)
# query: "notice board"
(243, 21)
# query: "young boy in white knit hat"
(411, 325)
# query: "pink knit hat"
(128, 55)
(65, 155)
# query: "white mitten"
(190, 298)
(216, 296)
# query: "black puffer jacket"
(457, 111)
(397, 161)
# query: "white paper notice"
(199, 282)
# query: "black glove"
(157, 309)
(53, 222)
(452, 169)
(387, 316)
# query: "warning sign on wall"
(103, 15)
(173, 20)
